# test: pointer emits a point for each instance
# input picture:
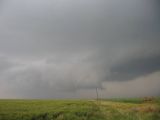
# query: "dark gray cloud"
(135, 67)
(57, 48)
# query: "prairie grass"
(115, 109)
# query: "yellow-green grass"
(131, 111)
(79, 110)
(48, 110)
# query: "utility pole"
(97, 94)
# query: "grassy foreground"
(115, 109)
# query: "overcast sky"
(67, 48)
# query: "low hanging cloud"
(67, 48)
(135, 67)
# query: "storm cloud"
(133, 68)
(67, 48)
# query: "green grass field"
(113, 109)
